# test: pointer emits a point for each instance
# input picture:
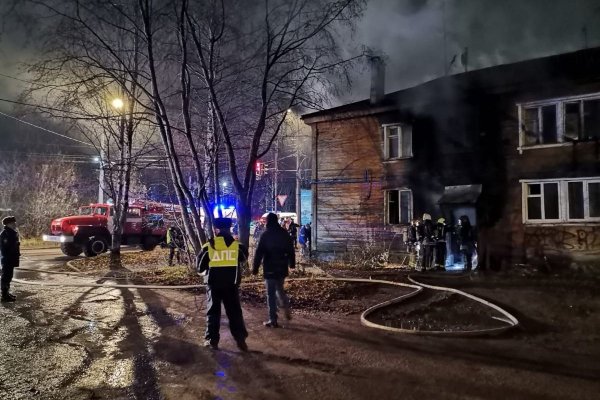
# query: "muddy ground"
(99, 343)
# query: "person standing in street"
(220, 260)
(10, 253)
(276, 252)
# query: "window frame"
(563, 200)
(387, 206)
(403, 129)
(560, 103)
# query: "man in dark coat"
(276, 252)
(293, 230)
(9, 255)
(221, 258)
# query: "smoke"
(411, 35)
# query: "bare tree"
(258, 63)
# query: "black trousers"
(230, 297)
(6, 278)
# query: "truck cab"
(90, 230)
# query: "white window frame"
(387, 206)
(563, 200)
(559, 102)
(403, 129)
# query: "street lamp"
(118, 103)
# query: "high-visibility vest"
(221, 255)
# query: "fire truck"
(90, 230)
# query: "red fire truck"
(90, 230)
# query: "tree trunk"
(244, 214)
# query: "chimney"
(377, 79)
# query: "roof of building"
(581, 65)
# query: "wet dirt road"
(99, 343)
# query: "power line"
(44, 129)
(16, 79)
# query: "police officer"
(9, 255)
(221, 259)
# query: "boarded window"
(576, 206)
(591, 118)
(573, 121)
(549, 124)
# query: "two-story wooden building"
(515, 147)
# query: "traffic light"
(259, 168)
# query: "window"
(539, 125)
(560, 120)
(399, 206)
(562, 200)
(100, 211)
(397, 141)
(542, 201)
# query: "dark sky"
(410, 33)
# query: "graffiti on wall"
(563, 238)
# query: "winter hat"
(222, 223)
(9, 220)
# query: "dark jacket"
(276, 252)
(10, 247)
(426, 231)
(293, 229)
(220, 277)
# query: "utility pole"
(298, 177)
(276, 175)
(101, 174)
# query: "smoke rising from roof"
(411, 35)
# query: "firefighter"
(440, 244)
(411, 242)
(425, 235)
(220, 261)
(175, 243)
(9, 256)
(466, 240)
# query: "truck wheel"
(71, 249)
(96, 245)
(148, 244)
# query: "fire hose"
(510, 320)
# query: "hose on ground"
(510, 321)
